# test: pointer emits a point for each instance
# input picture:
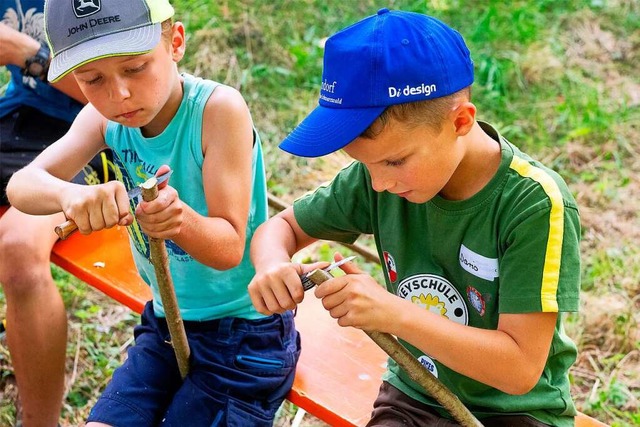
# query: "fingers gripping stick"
(65, 229)
(308, 284)
(412, 366)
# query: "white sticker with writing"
(478, 265)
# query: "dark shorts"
(393, 408)
(240, 372)
(25, 133)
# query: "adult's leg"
(36, 318)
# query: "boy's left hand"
(356, 299)
(163, 217)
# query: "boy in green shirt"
(480, 242)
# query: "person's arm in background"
(17, 47)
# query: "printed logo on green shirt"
(390, 265)
(428, 363)
(435, 294)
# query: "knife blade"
(136, 192)
(308, 284)
(65, 229)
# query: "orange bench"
(339, 371)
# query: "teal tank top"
(203, 293)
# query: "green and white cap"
(81, 31)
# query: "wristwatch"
(38, 65)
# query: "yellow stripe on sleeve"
(551, 271)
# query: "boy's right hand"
(95, 207)
(278, 288)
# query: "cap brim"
(326, 130)
(131, 42)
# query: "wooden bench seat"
(339, 371)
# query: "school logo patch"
(390, 265)
(476, 300)
(84, 8)
(435, 294)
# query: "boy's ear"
(464, 116)
(178, 45)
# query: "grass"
(559, 79)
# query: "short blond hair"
(167, 29)
(431, 112)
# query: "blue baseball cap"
(393, 57)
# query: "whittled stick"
(160, 261)
(414, 368)
(65, 229)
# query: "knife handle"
(306, 282)
(65, 229)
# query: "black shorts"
(393, 408)
(26, 132)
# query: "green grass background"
(559, 78)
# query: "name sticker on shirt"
(478, 265)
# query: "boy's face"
(132, 90)
(413, 162)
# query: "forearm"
(34, 191)
(16, 47)
(212, 241)
(273, 241)
(492, 357)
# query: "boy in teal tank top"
(480, 242)
(124, 55)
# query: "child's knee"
(24, 263)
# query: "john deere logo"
(84, 8)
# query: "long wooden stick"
(160, 261)
(414, 368)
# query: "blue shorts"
(240, 372)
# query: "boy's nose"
(380, 182)
(119, 91)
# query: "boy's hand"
(278, 288)
(356, 299)
(163, 217)
(95, 207)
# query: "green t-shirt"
(511, 248)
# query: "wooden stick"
(414, 368)
(160, 261)
(65, 229)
